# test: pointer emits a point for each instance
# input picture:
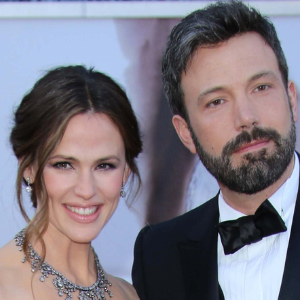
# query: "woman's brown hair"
(40, 122)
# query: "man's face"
(240, 119)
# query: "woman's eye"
(63, 166)
(105, 167)
(216, 102)
(261, 88)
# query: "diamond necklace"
(63, 285)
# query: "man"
(226, 80)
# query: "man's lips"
(254, 145)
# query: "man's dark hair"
(208, 27)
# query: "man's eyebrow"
(263, 74)
(211, 90)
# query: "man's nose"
(245, 114)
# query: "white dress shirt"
(255, 271)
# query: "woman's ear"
(126, 174)
(29, 175)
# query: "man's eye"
(261, 88)
(62, 165)
(216, 102)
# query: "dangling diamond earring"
(122, 192)
(28, 187)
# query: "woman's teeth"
(82, 211)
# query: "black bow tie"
(250, 229)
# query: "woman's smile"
(82, 211)
(83, 215)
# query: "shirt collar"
(282, 200)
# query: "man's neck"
(248, 204)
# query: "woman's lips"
(83, 214)
(82, 211)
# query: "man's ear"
(293, 99)
(126, 174)
(184, 133)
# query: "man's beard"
(259, 169)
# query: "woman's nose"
(85, 186)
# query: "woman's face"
(84, 175)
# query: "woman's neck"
(74, 260)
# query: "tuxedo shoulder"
(179, 227)
(189, 217)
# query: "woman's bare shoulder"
(13, 274)
(10, 255)
(123, 290)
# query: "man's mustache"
(246, 137)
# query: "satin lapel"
(199, 255)
(290, 287)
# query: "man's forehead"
(245, 55)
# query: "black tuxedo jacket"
(177, 259)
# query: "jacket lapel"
(199, 255)
(290, 288)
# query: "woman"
(76, 138)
